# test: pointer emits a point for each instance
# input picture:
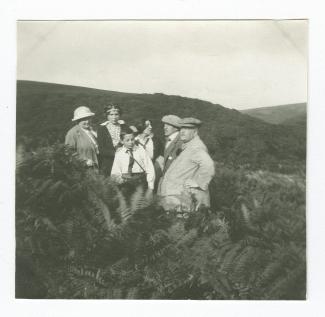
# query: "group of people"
(179, 170)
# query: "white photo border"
(11, 11)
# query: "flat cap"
(190, 123)
(172, 120)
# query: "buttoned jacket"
(171, 152)
(193, 163)
(78, 139)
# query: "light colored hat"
(172, 120)
(82, 112)
(133, 128)
(190, 123)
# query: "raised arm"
(150, 170)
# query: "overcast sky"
(239, 65)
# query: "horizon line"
(145, 93)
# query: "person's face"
(84, 123)
(187, 134)
(148, 129)
(113, 116)
(128, 141)
(169, 129)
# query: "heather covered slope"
(44, 113)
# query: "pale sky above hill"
(239, 65)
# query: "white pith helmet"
(82, 112)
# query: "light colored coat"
(163, 162)
(193, 163)
(87, 150)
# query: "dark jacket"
(158, 148)
(172, 152)
(106, 150)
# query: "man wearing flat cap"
(185, 183)
(172, 145)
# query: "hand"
(191, 184)
(160, 162)
(118, 179)
(89, 162)
(149, 194)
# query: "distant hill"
(299, 120)
(279, 114)
(44, 113)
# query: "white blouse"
(142, 163)
(114, 131)
(147, 144)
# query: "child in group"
(132, 164)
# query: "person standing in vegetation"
(147, 139)
(132, 165)
(82, 138)
(185, 183)
(172, 144)
(173, 141)
(109, 137)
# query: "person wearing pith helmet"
(171, 146)
(185, 183)
(81, 138)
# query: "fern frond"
(284, 284)
(222, 287)
(245, 264)
(98, 202)
(271, 271)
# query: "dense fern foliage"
(77, 237)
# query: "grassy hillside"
(298, 120)
(44, 113)
(279, 114)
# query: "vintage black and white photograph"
(161, 159)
